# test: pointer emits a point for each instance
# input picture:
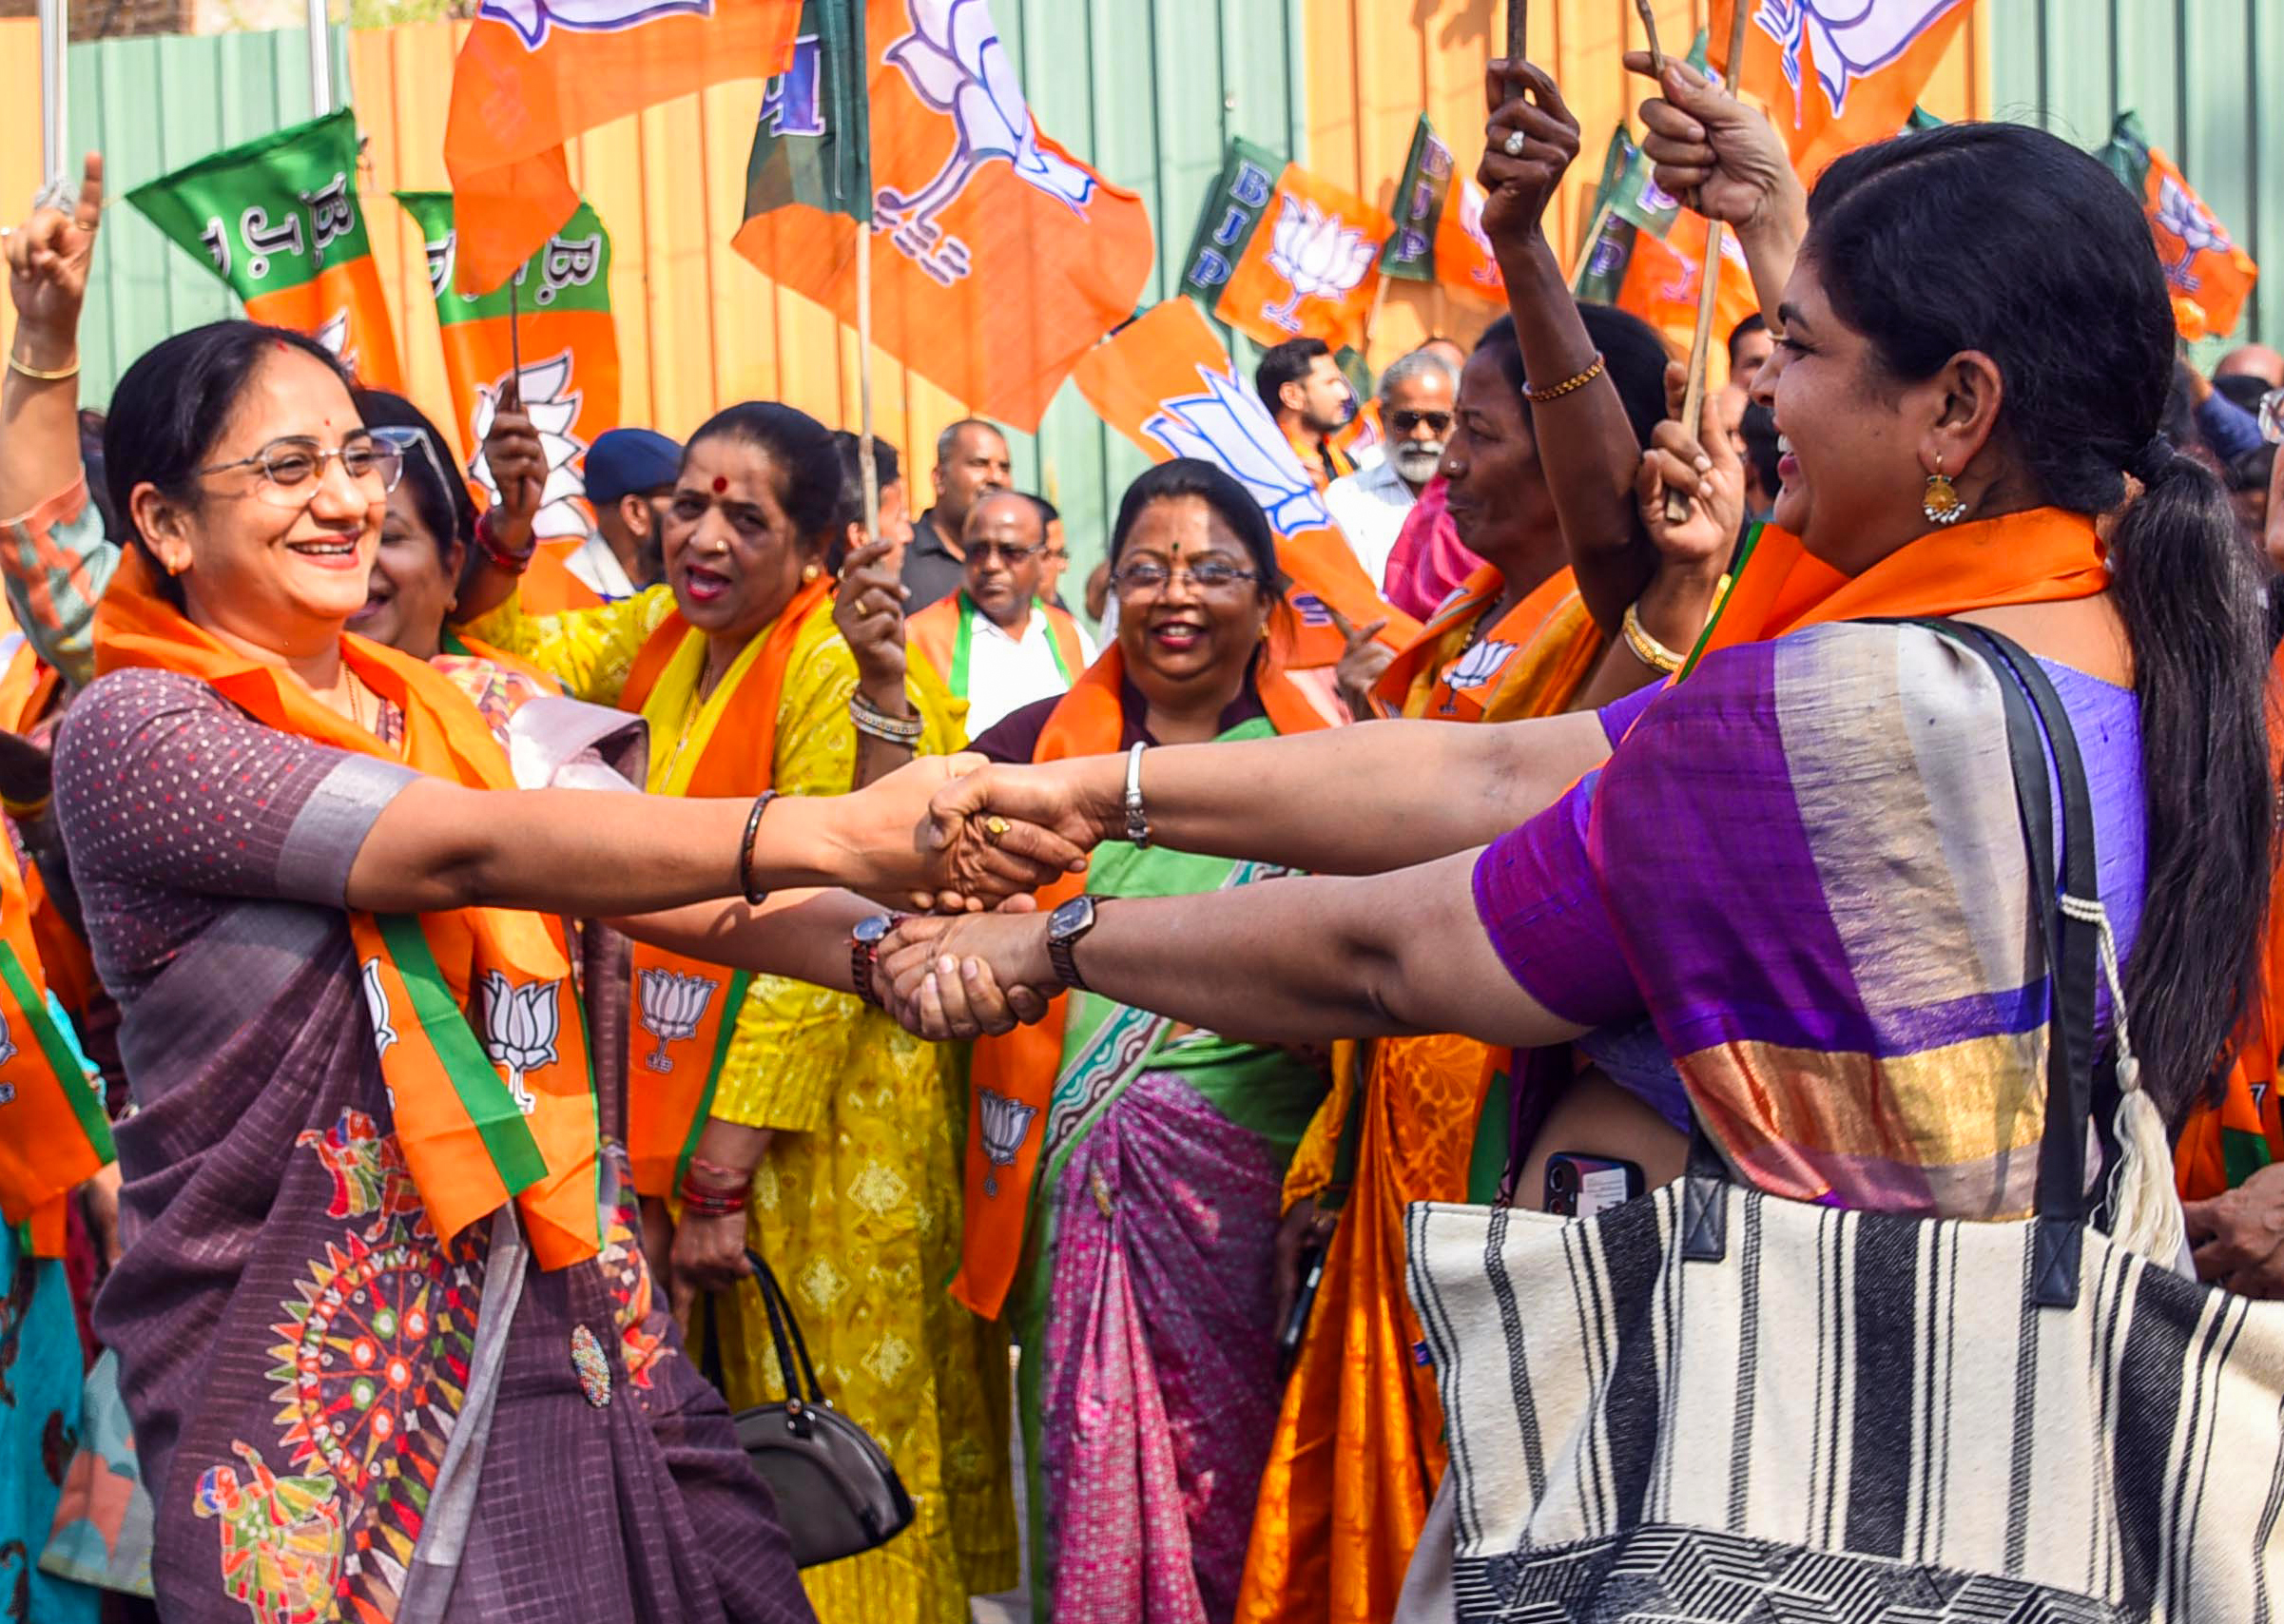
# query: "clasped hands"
(973, 960)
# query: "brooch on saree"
(592, 1366)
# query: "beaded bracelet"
(701, 1203)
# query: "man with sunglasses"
(1416, 396)
(994, 642)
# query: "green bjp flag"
(1601, 266)
(279, 220)
(1224, 224)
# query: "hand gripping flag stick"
(1709, 281)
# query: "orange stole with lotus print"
(485, 1116)
(684, 1009)
(1359, 1446)
(1012, 1078)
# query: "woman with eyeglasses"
(766, 1112)
(1125, 1173)
(386, 1336)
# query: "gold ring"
(994, 828)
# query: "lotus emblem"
(7, 1042)
(554, 406)
(673, 1004)
(519, 1030)
(1005, 1123)
(2179, 213)
(334, 334)
(1849, 39)
(955, 63)
(376, 1005)
(531, 19)
(1226, 425)
(1471, 200)
(1480, 665)
(1321, 255)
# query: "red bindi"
(720, 484)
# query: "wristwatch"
(864, 952)
(1064, 928)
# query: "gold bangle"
(1647, 649)
(1569, 385)
(38, 376)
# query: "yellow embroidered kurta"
(856, 1202)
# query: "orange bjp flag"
(533, 73)
(1837, 74)
(1000, 259)
(1311, 266)
(2209, 276)
(1663, 276)
(1165, 383)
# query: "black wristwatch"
(1064, 928)
(864, 952)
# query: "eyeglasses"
(1013, 555)
(1147, 576)
(292, 467)
(405, 436)
(2271, 417)
(1404, 421)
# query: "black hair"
(1281, 364)
(810, 482)
(1758, 430)
(2250, 469)
(886, 471)
(2052, 274)
(1633, 354)
(1744, 329)
(173, 404)
(440, 495)
(1048, 511)
(91, 464)
(1219, 490)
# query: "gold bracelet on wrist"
(1647, 649)
(40, 375)
(1568, 386)
(875, 722)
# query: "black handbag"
(837, 1492)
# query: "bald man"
(2253, 360)
(993, 642)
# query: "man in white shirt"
(993, 642)
(1416, 396)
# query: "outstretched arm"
(1358, 800)
(1299, 960)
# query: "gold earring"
(810, 573)
(1941, 501)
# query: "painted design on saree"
(521, 1024)
(281, 1539)
(628, 1275)
(675, 1004)
(1006, 1124)
(591, 1366)
(12, 1315)
(368, 1172)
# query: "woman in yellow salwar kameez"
(1359, 1444)
(813, 1129)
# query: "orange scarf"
(681, 1000)
(1546, 643)
(485, 1115)
(1017, 1071)
(2042, 555)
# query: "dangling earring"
(810, 573)
(1942, 502)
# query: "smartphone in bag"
(1579, 1187)
(1296, 1322)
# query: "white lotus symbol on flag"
(673, 1004)
(553, 407)
(955, 63)
(531, 19)
(1005, 1123)
(519, 1030)
(334, 334)
(2180, 213)
(1480, 665)
(376, 1005)
(1320, 254)
(7, 1046)
(1229, 426)
(1471, 200)
(1849, 39)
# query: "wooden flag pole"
(868, 471)
(1648, 14)
(1518, 30)
(1709, 285)
(1592, 240)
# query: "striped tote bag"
(1716, 1404)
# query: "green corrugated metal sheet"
(151, 106)
(2205, 75)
